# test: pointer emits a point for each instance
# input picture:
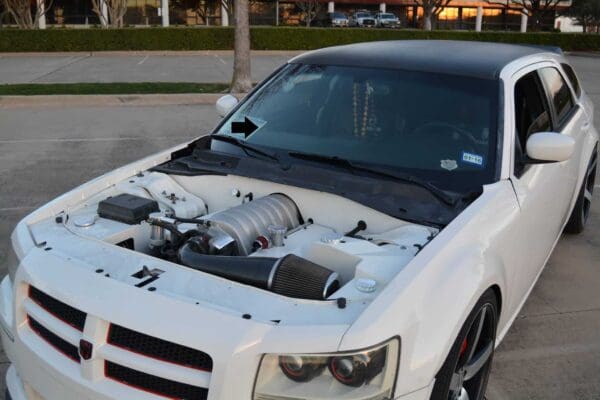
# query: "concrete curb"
(152, 53)
(595, 54)
(133, 100)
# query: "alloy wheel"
(590, 180)
(472, 369)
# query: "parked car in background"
(333, 19)
(362, 19)
(386, 20)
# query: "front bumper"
(235, 344)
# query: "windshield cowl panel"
(396, 199)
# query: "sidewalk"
(160, 66)
(133, 100)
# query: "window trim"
(563, 69)
(547, 103)
(558, 124)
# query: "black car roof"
(467, 58)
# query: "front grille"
(53, 340)
(57, 308)
(153, 384)
(159, 349)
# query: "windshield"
(437, 127)
(363, 15)
(387, 16)
(338, 15)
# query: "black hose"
(254, 271)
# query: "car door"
(542, 102)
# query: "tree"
(586, 13)
(431, 9)
(242, 81)
(536, 10)
(310, 9)
(20, 10)
(110, 12)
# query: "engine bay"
(293, 242)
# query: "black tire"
(469, 362)
(581, 211)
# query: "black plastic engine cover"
(127, 208)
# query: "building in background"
(459, 14)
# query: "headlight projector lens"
(301, 369)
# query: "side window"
(558, 91)
(531, 115)
(572, 78)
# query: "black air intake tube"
(290, 276)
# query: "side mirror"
(226, 104)
(550, 147)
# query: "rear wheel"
(581, 211)
(465, 372)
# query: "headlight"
(368, 374)
(12, 261)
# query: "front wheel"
(465, 372)
(581, 211)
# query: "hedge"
(263, 38)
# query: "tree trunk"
(427, 25)
(242, 81)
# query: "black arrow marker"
(246, 127)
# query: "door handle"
(585, 126)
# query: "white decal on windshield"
(448, 164)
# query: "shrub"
(263, 38)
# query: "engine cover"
(244, 223)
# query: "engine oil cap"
(365, 285)
(85, 221)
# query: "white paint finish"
(382, 7)
(225, 104)
(549, 146)
(524, 18)
(330, 6)
(165, 12)
(42, 11)
(224, 15)
(503, 238)
(479, 19)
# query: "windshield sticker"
(473, 159)
(448, 164)
(247, 127)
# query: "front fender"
(428, 302)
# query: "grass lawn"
(28, 89)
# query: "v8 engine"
(222, 243)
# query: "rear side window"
(558, 91)
(572, 78)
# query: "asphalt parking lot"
(552, 350)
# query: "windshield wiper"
(383, 172)
(242, 144)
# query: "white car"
(387, 20)
(366, 224)
(362, 19)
